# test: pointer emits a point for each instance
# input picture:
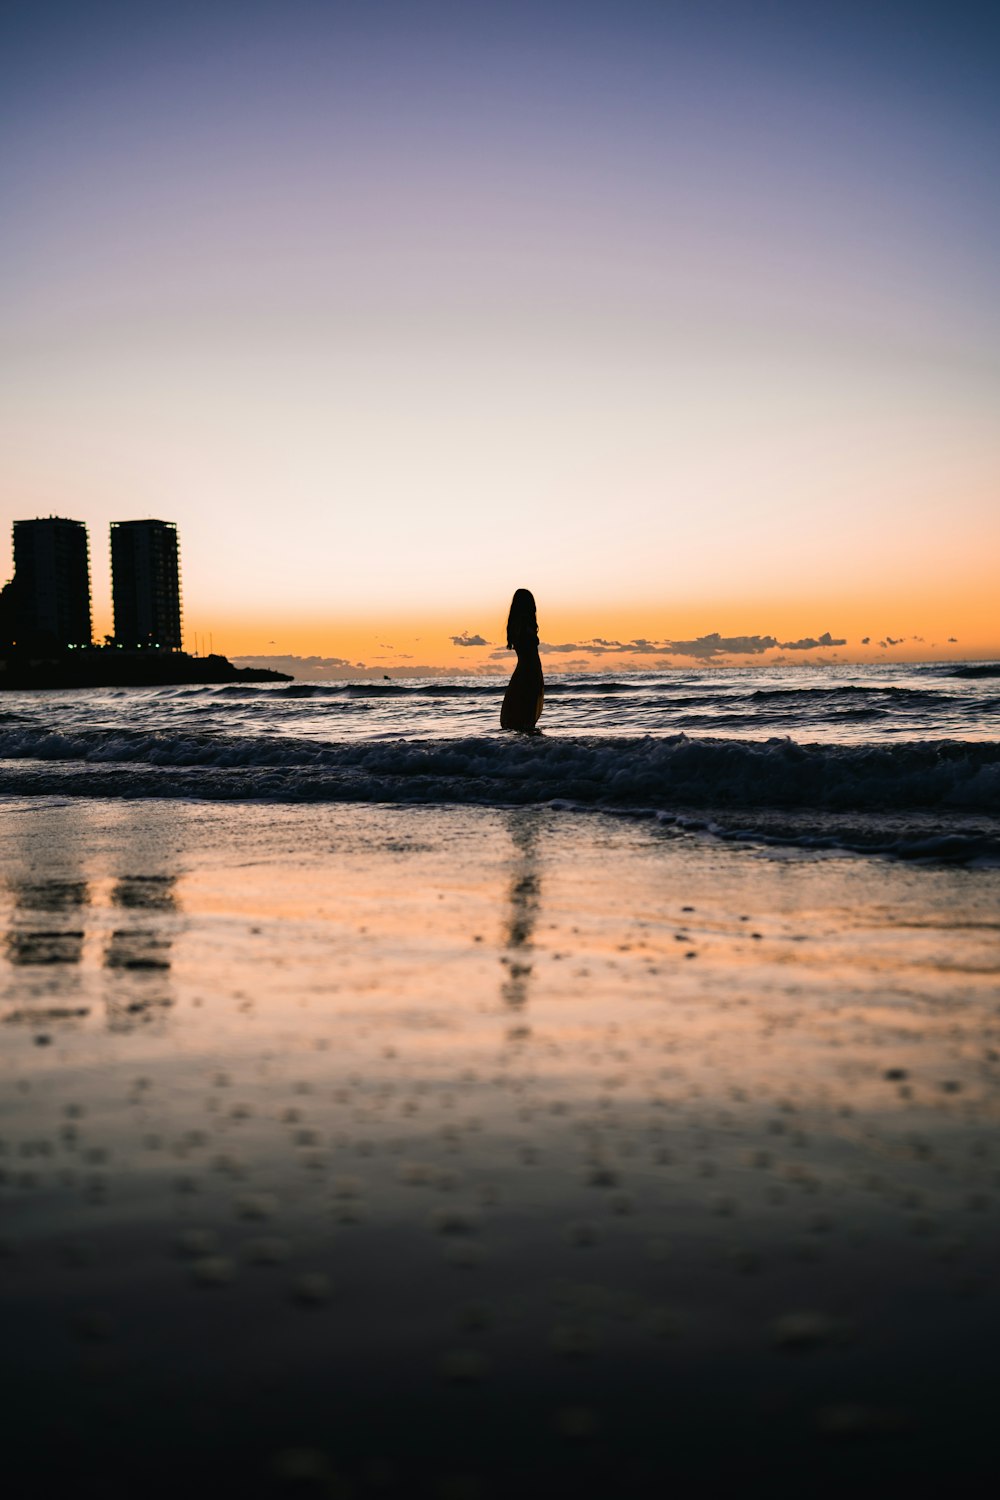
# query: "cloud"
(866, 640)
(703, 648)
(335, 668)
(953, 640)
(641, 647)
(892, 641)
(808, 644)
(708, 646)
(465, 639)
(598, 646)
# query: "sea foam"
(650, 772)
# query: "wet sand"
(364, 1151)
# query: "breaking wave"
(925, 800)
(656, 772)
(978, 669)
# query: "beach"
(358, 1148)
(499, 752)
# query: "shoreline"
(477, 1149)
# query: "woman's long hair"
(521, 622)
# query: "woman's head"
(521, 621)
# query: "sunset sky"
(685, 316)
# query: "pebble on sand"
(600, 1174)
(417, 1173)
(453, 1221)
(195, 1244)
(255, 1206)
(350, 1210)
(267, 1250)
(214, 1270)
(311, 1289)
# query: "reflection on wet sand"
(146, 892)
(49, 895)
(142, 947)
(26, 946)
(50, 919)
(524, 896)
(29, 943)
(137, 948)
(140, 956)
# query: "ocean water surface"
(904, 760)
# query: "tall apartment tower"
(52, 583)
(146, 584)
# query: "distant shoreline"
(103, 666)
(313, 670)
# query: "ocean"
(900, 760)
(393, 1106)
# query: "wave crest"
(658, 772)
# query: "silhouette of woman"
(522, 702)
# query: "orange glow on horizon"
(912, 630)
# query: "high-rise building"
(52, 583)
(146, 584)
(8, 615)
